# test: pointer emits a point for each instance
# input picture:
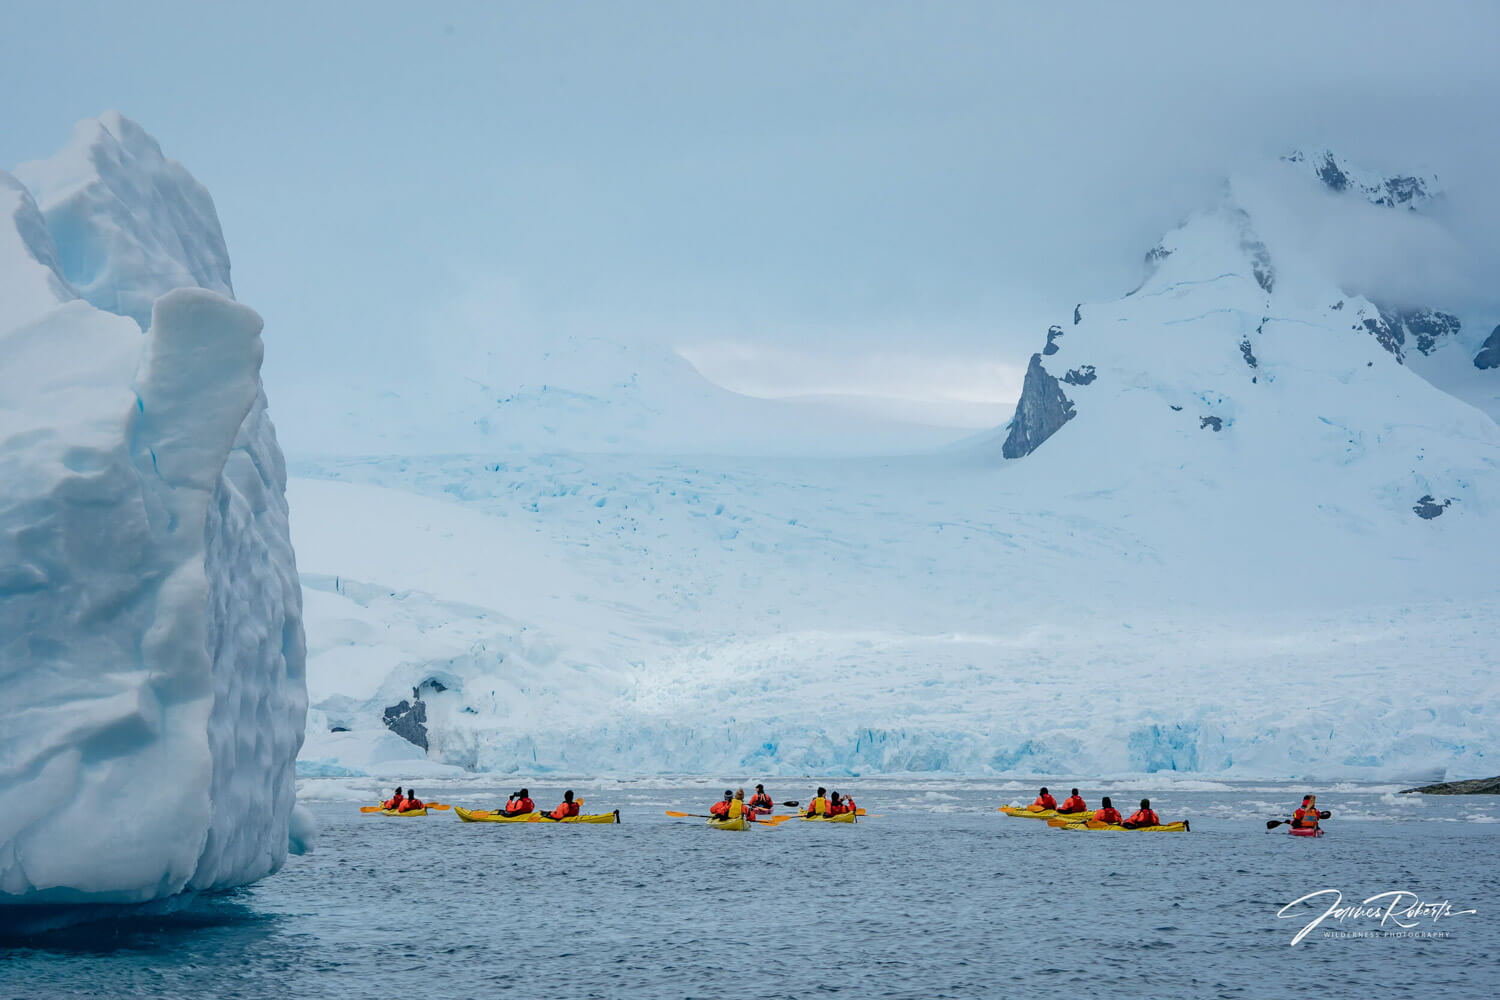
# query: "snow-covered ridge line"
(150, 614)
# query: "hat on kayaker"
(822, 791)
(1145, 803)
(523, 793)
(568, 795)
(1075, 791)
(1044, 790)
(728, 794)
(1108, 804)
(760, 788)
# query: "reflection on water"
(102, 929)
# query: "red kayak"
(1316, 831)
(757, 811)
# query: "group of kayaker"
(1074, 805)
(733, 805)
(407, 802)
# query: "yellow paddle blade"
(439, 805)
(369, 809)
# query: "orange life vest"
(1305, 817)
(1044, 802)
(1073, 804)
(1110, 815)
(394, 802)
(565, 809)
(410, 805)
(1143, 817)
(761, 801)
(719, 810)
(519, 807)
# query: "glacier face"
(151, 637)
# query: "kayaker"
(520, 804)
(837, 805)
(819, 805)
(1109, 814)
(720, 809)
(566, 809)
(1144, 816)
(737, 806)
(394, 802)
(760, 801)
(1044, 801)
(1306, 817)
(1072, 804)
(411, 803)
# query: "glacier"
(151, 638)
(1211, 554)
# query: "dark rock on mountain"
(1217, 423)
(1053, 332)
(1424, 328)
(1080, 376)
(1040, 411)
(1400, 191)
(1078, 314)
(1474, 786)
(1489, 354)
(1427, 508)
(408, 720)
(1248, 353)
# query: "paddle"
(1272, 824)
(681, 815)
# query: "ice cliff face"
(151, 643)
(1489, 353)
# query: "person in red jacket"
(411, 803)
(1044, 801)
(1306, 817)
(1144, 816)
(394, 802)
(837, 806)
(566, 809)
(720, 809)
(1073, 804)
(520, 804)
(1109, 814)
(760, 803)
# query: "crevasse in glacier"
(151, 644)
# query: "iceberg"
(151, 641)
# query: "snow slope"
(1242, 537)
(151, 641)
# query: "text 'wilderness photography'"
(906, 437)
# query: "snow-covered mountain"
(151, 643)
(1231, 529)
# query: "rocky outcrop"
(1399, 191)
(1215, 423)
(1428, 508)
(1041, 410)
(1248, 354)
(1053, 332)
(1082, 375)
(1476, 786)
(408, 720)
(1489, 354)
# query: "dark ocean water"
(936, 896)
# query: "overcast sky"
(805, 197)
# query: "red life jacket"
(836, 810)
(411, 805)
(564, 810)
(761, 801)
(719, 810)
(1143, 817)
(394, 802)
(1072, 804)
(1304, 817)
(520, 806)
(1110, 815)
(1045, 802)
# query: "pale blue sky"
(925, 178)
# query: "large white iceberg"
(151, 643)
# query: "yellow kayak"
(409, 812)
(613, 817)
(840, 818)
(485, 816)
(1024, 812)
(1181, 826)
(729, 824)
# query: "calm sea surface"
(937, 895)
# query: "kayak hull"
(1021, 812)
(840, 818)
(1316, 831)
(409, 812)
(1181, 826)
(485, 816)
(729, 824)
